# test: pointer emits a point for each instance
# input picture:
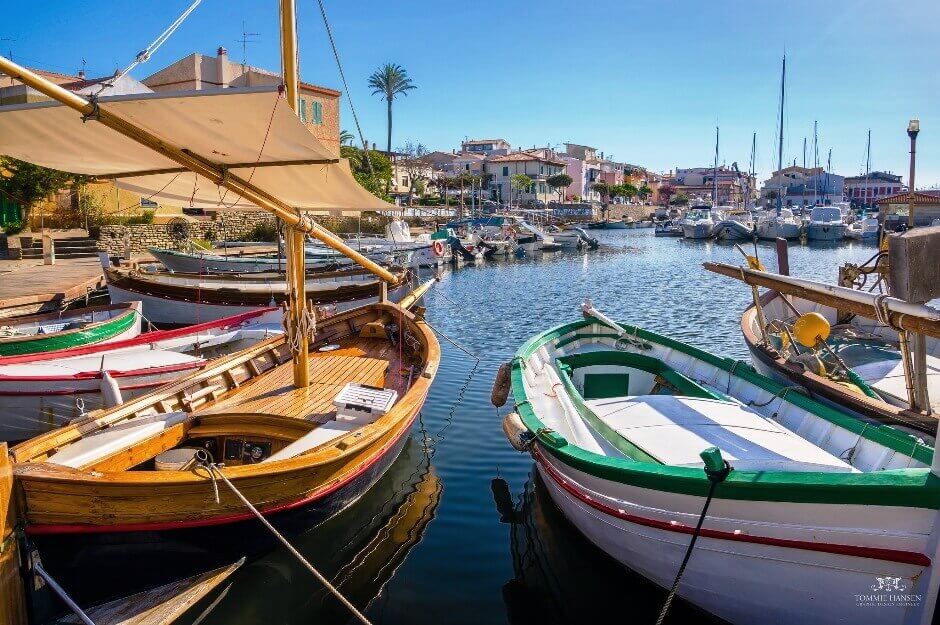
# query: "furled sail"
(251, 132)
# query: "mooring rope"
(54, 585)
(714, 479)
(215, 471)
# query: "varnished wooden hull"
(105, 500)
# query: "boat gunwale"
(915, 487)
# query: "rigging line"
(342, 75)
(144, 55)
(264, 142)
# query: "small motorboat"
(47, 332)
(771, 226)
(699, 222)
(809, 506)
(734, 228)
(40, 392)
(826, 223)
(865, 229)
(668, 228)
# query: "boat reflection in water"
(358, 550)
(560, 577)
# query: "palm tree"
(389, 81)
(345, 137)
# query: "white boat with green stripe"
(823, 519)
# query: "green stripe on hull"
(913, 488)
(65, 340)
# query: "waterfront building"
(894, 208)
(537, 165)
(319, 106)
(487, 147)
(698, 182)
(803, 186)
(867, 190)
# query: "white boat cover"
(102, 444)
(887, 377)
(108, 361)
(675, 430)
(225, 127)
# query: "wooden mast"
(296, 267)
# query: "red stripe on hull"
(225, 519)
(874, 553)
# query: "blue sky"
(643, 81)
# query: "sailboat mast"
(783, 86)
(867, 171)
(751, 174)
(296, 266)
(815, 165)
(715, 172)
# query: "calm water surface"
(458, 531)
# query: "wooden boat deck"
(373, 362)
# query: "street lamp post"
(912, 129)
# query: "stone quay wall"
(174, 236)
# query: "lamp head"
(913, 127)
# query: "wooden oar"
(901, 314)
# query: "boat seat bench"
(674, 430)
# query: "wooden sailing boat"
(132, 468)
(187, 298)
(285, 441)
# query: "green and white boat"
(69, 328)
(822, 519)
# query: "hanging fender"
(501, 385)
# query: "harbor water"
(459, 530)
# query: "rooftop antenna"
(247, 38)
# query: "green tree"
(345, 137)
(374, 180)
(28, 183)
(645, 191)
(679, 199)
(389, 81)
(519, 184)
(558, 182)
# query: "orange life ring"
(438, 248)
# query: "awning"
(253, 132)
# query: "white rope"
(144, 55)
(215, 471)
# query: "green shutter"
(303, 110)
(317, 112)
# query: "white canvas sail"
(253, 132)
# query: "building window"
(467, 167)
(317, 112)
(303, 110)
(505, 171)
